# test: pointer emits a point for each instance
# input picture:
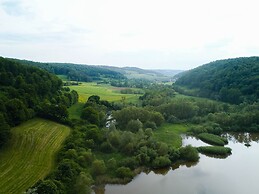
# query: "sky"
(150, 34)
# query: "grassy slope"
(30, 155)
(170, 134)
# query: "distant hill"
(230, 80)
(88, 73)
(76, 72)
(168, 72)
(138, 73)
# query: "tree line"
(232, 80)
(76, 72)
(29, 91)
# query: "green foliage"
(189, 154)
(208, 127)
(150, 124)
(124, 172)
(27, 91)
(30, 154)
(76, 72)
(98, 167)
(83, 182)
(134, 113)
(179, 108)
(5, 133)
(91, 115)
(134, 125)
(161, 162)
(215, 150)
(213, 139)
(47, 187)
(231, 80)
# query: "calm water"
(236, 174)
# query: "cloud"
(149, 34)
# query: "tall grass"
(30, 154)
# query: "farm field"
(29, 156)
(106, 92)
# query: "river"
(236, 174)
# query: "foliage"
(161, 162)
(28, 91)
(91, 115)
(124, 172)
(231, 80)
(213, 139)
(76, 72)
(124, 116)
(189, 153)
(215, 150)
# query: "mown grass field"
(106, 92)
(171, 134)
(30, 154)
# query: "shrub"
(212, 139)
(189, 153)
(150, 124)
(215, 150)
(134, 125)
(98, 167)
(161, 162)
(124, 172)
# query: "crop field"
(106, 92)
(30, 154)
(170, 134)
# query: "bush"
(47, 187)
(134, 125)
(150, 124)
(98, 167)
(124, 172)
(215, 150)
(91, 115)
(161, 162)
(212, 139)
(189, 154)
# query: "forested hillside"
(231, 80)
(76, 72)
(27, 91)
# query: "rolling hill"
(231, 80)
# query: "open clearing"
(30, 154)
(171, 134)
(105, 91)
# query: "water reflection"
(237, 174)
(242, 137)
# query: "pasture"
(30, 154)
(105, 91)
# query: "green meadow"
(30, 154)
(105, 91)
(170, 134)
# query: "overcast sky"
(154, 34)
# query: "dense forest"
(231, 80)
(76, 72)
(29, 91)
